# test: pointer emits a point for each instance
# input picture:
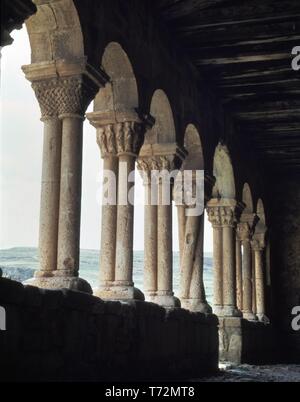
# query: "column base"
(196, 305)
(60, 282)
(168, 301)
(117, 292)
(218, 310)
(263, 318)
(230, 311)
(248, 315)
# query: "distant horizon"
(82, 249)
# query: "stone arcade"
(175, 86)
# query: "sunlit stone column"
(222, 215)
(239, 276)
(145, 166)
(106, 140)
(50, 187)
(215, 219)
(63, 90)
(245, 235)
(229, 261)
(258, 248)
(192, 292)
(129, 138)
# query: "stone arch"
(163, 130)
(223, 172)
(55, 31)
(260, 210)
(120, 94)
(192, 144)
(247, 198)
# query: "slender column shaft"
(150, 236)
(229, 277)
(181, 228)
(253, 280)
(189, 248)
(124, 245)
(108, 229)
(197, 289)
(49, 209)
(247, 278)
(164, 247)
(259, 282)
(197, 286)
(239, 276)
(70, 196)
(217, 266)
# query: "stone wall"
(284, 218)
(252, 342)
(68, 335)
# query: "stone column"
(49, 207)
(239, 276)
(181, 229)
(64, 90)
(222, 216)
(106, 140)
(191, 231)
(197, 297)
(129, 138)
(165, 295)
(258, 248)
(229, 262)
(161, 160)
(150, 230)
(215, 220)
(244, 232)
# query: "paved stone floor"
(247, 373)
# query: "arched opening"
(21, 161)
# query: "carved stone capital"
(222, 213)
(59, 97)
(120, 138)
(243, 231)
(256, 245)
(258, 242)
(64, 87)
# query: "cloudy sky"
(21, 140)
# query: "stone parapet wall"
(251, 342)
(69, 335)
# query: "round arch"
(192, 144)
(163, 130)
(247, 198)
(260, 210)
(120, 94)
(55, 31)
(223, 171)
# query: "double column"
(157, 171)
(63, 99)
(222, 216)
(244, 232)
(119, 143)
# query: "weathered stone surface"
(78, 336)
